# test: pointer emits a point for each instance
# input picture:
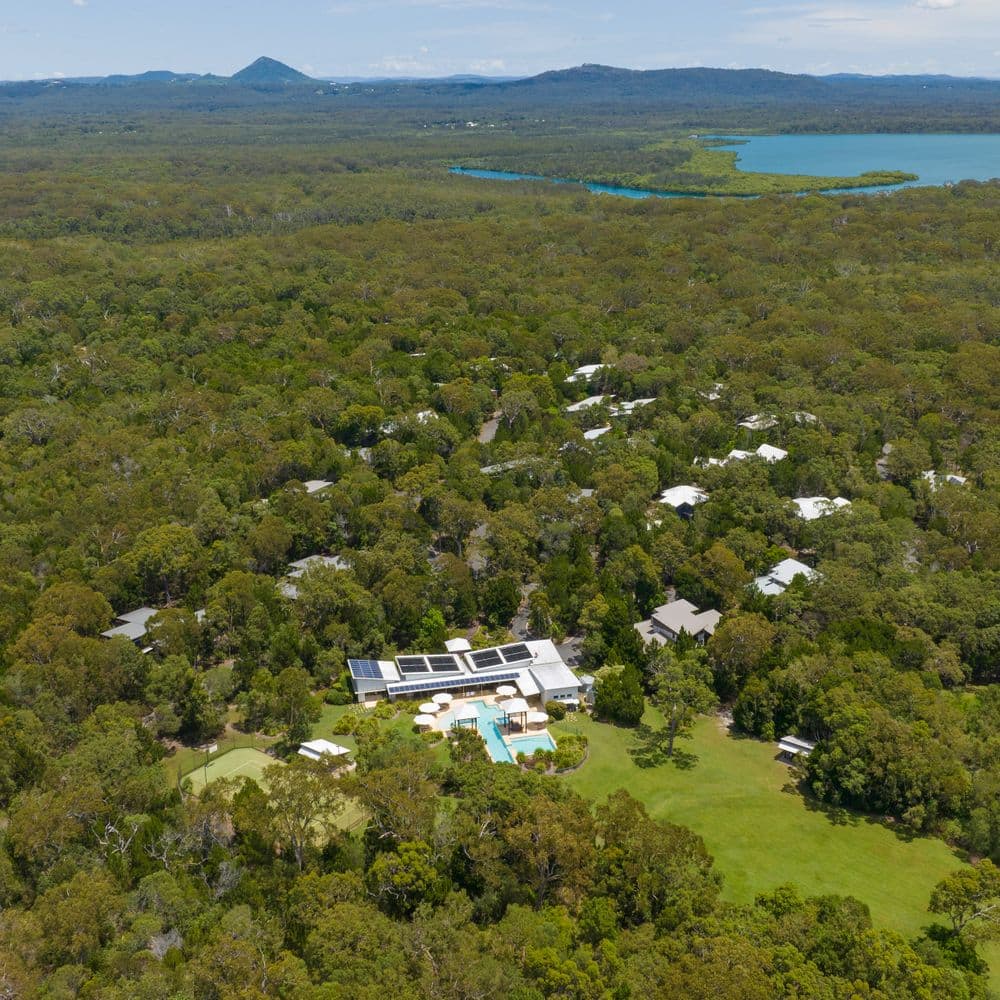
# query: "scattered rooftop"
(777, 579)
(585, 373)
(811, 508)
(586, 404)
(683, 496)
(759, 422)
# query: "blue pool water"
(529, 744)
(935, 159)
(488, 729)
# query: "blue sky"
(42, 38)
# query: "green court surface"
(242, 763)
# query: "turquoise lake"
(935, 159)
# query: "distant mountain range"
(267, 72)
(690, 98)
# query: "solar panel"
(515, 653)
(365, 669)
(486, 658)
(443, 664)
(445, 684)
(412, 664)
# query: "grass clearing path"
(761, 830)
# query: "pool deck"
(445, 722)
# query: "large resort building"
(534, 668)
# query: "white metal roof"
(759, 422)
(585, 404)
(595, 433)
(140, 615)
(769, 453)
(795, 746)
(585, 372)
(810, 508)
(300, 566)
(514, 706)
(133, 624)
(315, 485)
(677, 496)
(779, 576)
(554, 675)
(315, 749)
(457, 645)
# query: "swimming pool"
(529, 744)
(489, 729)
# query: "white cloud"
(79, 3)
(936, 4)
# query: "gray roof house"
(778, 578)
(667, 622)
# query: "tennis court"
(244, 762)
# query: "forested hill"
(697, 97)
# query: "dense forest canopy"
(200, 311)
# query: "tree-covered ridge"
(190, 332)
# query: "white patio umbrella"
(443, 698)
(425, 721)
(537, 718)
(506, 691)
(430, 708)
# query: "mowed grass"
(761, 830)
(249, 763)
(242, 763)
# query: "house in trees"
(628, 406)
(759, 422)
(131, 625)
(317, 485)
(811, 508)
(667, 622)
(683, 499)
(767, 452)
(937, 479)
(586, 404)
(301, 566)
(534, 668)
(779, 577)
(585, 373)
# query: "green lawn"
(761, 830)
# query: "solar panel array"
(444, 684)
(515, 653)
(368, 670)
(485, 659)
(438, 664)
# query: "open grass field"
(241, 763)
(760, 829)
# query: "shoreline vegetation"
(682, 167)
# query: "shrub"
(338, 696)
(570, 751)
(556, 710)
(347, 724)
